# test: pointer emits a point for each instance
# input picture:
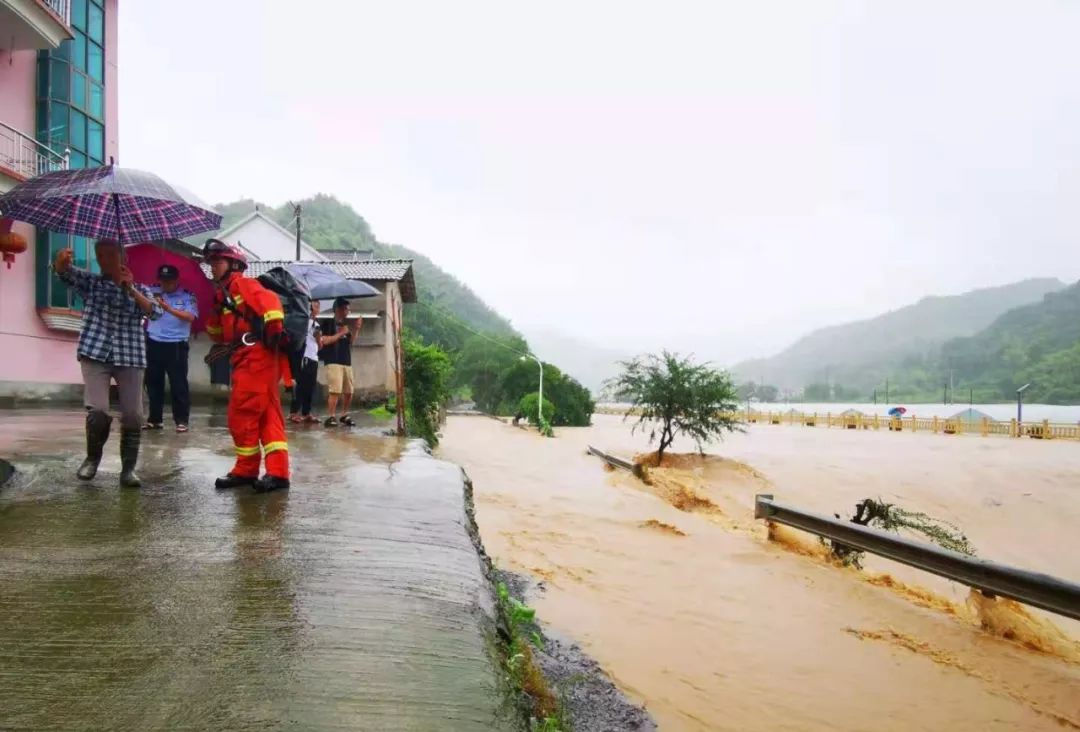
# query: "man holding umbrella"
(111, 347)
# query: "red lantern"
(10, 242)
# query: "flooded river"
(354, 601)
(682, 597)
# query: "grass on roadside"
(546, 713)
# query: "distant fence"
(1044, 430)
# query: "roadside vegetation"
(888, 516)
(671, 395)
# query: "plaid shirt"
(112, 321)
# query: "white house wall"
(267, 241)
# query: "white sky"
(715, 177)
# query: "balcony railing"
(61, 8)
(26, 157)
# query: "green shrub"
(527, 408)
(427, 379)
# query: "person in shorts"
(338, 336)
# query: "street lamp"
(1020, 407)
(540, 405)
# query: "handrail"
(1032, 588)
(25, 155)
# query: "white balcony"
(34, 24)
(23, 157)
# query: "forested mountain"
(487, 367)
(860, 356)
(1037, 344)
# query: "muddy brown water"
(354, 601)
(682, 597)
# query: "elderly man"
(112, 347)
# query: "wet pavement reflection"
(356, 600)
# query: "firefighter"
(244, 309)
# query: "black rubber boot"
(234, 481)
(269, 483)
(129, 455)
(98, 424)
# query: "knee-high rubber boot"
(97, 434)
(129, 455)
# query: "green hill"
(860, 356)
(1037, 344)
(331, 224)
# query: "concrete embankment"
(356, 600)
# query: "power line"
(469, 328)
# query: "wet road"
(354, 601)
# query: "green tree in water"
(672, 395)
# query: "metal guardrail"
(1031, 588)
(26, 156)
(611, 459)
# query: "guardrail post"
(1047, 434)
(914, 424)
(1012, 428)
(935, 425)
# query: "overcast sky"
(715, 177)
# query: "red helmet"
(218, 248)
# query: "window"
(77, 132)
(96, 24)
(59, 80)
(71, 115)
(78, 14)
(97, 100)
(95, 62)
(58, 125)
(78, 90)
(78, 51)
(95, 140)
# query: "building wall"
(37, 362)
(112, 96)
(267, 241)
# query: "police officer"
(167, 350)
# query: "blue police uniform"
(167, 355)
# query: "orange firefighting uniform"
(255, 414)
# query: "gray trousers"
(129, 380)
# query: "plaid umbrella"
(130, 206)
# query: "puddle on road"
(355, 600)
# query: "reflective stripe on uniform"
(247, 451)
(273, 315)
(237, 300)
(213, 331)
(275, 446)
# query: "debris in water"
(1009, 619)
(661, 526)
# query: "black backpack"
(295, 303)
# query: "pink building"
(58, 107)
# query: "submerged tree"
(890, 517)
(672, 395)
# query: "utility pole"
(298, 210)
(945, 393)
(875, 397)
(886, 390)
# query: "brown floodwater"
(696, 612)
